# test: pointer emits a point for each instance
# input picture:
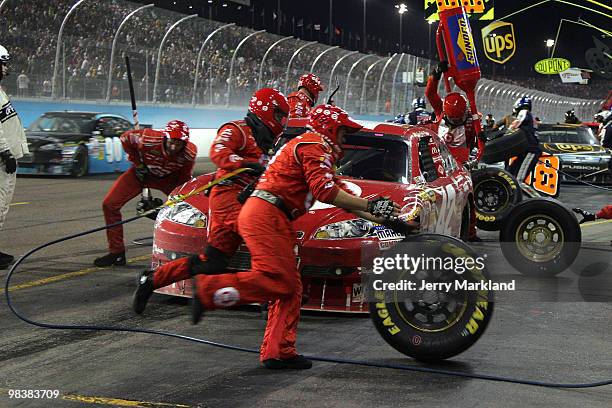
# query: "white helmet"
(4, 55)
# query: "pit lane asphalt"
(561, 342)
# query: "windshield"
(373, 158)
(61, 123)
(578, 135)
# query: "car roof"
(93, 115)
(560, 126)
(390, 131)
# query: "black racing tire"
(541, 237)
(496, 192)
(80, 162)
(433, 331)
(498, 149)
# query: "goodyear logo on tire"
(499, 41)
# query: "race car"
(409, 164)
(75, 144)
(580, 154)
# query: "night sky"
(532, 27)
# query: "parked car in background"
(579, 151)
(75, 144)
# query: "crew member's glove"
(471, 165)
(588, 216)
(440, 69)
(382, 207)
(10, 163)
(145, 205)
(256, 168)
(141, 172)
(402, 227)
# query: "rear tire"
(80, 162)
(434, 330)
(496, 192)
(541, 237)
(511, 143)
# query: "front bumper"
(330, 269)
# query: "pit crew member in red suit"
(242, 143)
(455, 129)
(161, 160)
(301, 172)
(302, 100)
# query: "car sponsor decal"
(386, 234)
(569, 147)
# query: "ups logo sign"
(499, 41)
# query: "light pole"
(549, 43)
(331, 29)
(365, 42)
(429, 23)
(401, 9)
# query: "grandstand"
(208, 63)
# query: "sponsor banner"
(476, 9)
(550, 66)
(463, 42)
(499, 41)
(573, 76)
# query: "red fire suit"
(234, 146)
(605, 213)
(459, 140)
(300, 104)
(301, 172)
(165, 173)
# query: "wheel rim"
(539, 238)
(432, 310)
(491, 196)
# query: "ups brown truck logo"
(499, 41)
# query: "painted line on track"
(593, 223)
(68, 275)
(21, 203)
(117, 402)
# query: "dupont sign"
(551, 66)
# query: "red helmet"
(271, 107)
(177, 129)
(455, 108)
(327, 119)
(312, 83)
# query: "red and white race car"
(409, 164)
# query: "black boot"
(144, 290)
(298, 362)
(110, 260)
(6, 260)
(197, 308)
(588, 216)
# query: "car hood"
(320, 213)
(38, 139)
(573, 148)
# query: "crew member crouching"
(162, 160)
(302, 100)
